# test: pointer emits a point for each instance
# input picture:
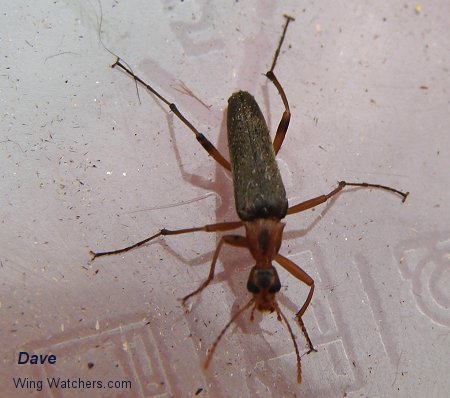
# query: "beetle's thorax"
(264, 237)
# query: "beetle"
(260, 200)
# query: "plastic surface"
(86, 166)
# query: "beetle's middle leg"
(224, 226)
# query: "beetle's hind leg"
(285, 119)
(204, 142)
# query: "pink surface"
(86, 166)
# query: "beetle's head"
(264, 283)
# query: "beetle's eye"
(276, 286)
(252, 288)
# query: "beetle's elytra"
(258, 189)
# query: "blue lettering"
(34, 359)
(21, 360)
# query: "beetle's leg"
(284, 122)
(285, 119)
(308, 204)
(225, 226)
(233, 240)
(204, 142)
(301, 275)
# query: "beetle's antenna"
(297, 353)
(233, 318)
